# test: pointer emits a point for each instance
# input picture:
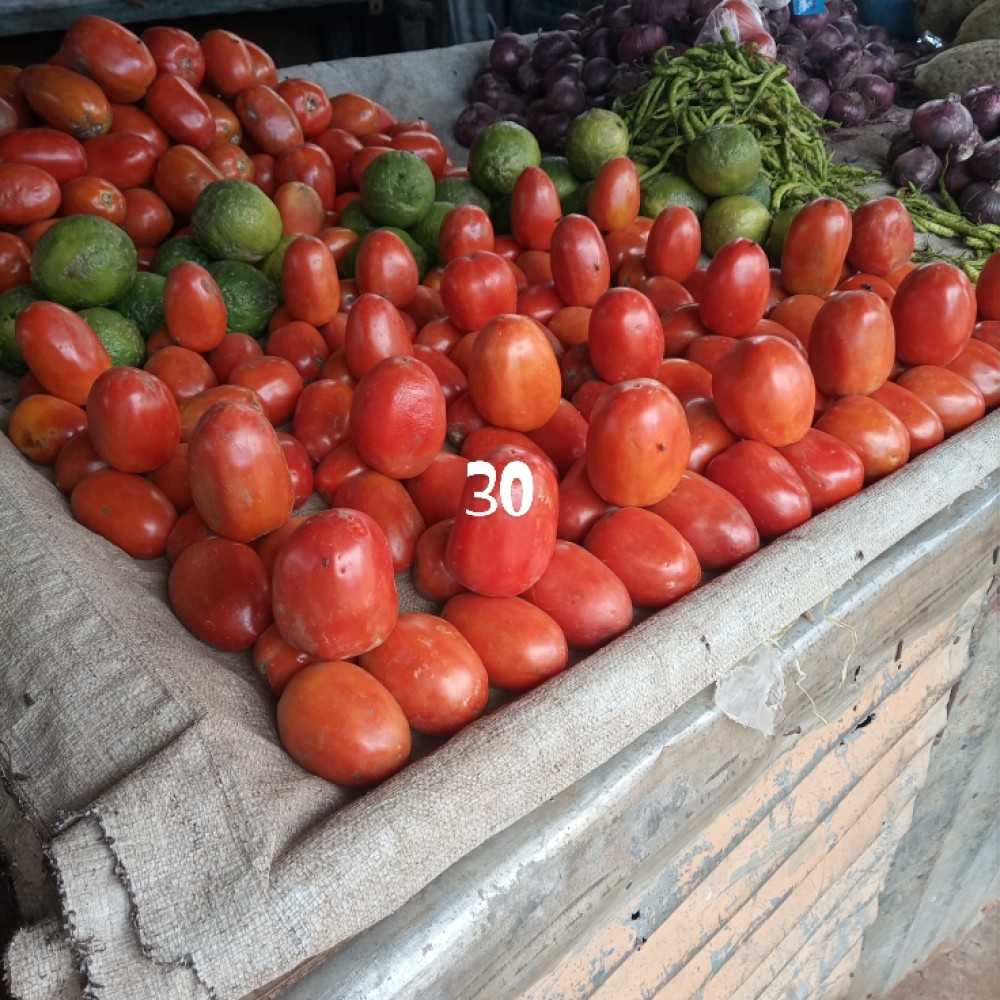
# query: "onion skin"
(985, 161)
(815, 95)
(980, 202)
(877, 92)
(920, 167)
(847, 108)
(941, 124)
(983, 103)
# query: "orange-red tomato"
(882, 237)
(27, 194)
(15, 261)
(126, 118)
(933, 313)
(735, 293)
(922, 423)
(464, 230)
(235, 348)
(988, 288)
(309, 281)
(310, 103)
(76, 457)
(57, 153)
(148, 219)
(563, 437)
(423, 143)
(66, 100)
(385, 266)
(638, 443)
(107, 52)
(321, 418)
(193, 308)
(979, 362)
(431, 578)
(89, 195)
(686, 379)
(339, 722)
(301, 344)
(625, 336)
(830, 469)
(181, 111)
(229, 67)
(956, 400)
(275, 380)
(41, 426)
(374, 330)
(310, 164)
(265, 69)
(185, 371)
(437, 491)
(878, 436)
(815, 247)
(182, 173)
(534, 209)
(277, 661)
(613, 200)
(355, 113)
(797, 313)
(477, 286)
(239, 477)
(300, 208)
(581, 268)
(268, 120)
(709, 434)
(175, 52)
(673, 248)
(172, 477)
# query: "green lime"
(427, 230)
(120, 336)
(500, 216)
(733, 216)
(142, 303)
(272, 264)
(594, 137)
(235, 220)
(346, 265)
(352, 216)
(250, 296)
(775, 241)
(663, 190)
(500, 154)
(397, 188)
(461, 191)
(724, 159)
(11, 303)
(559, 170)
(761, 190)
(83, 260)
(171, 252)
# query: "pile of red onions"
(843, 70)
(954, 141)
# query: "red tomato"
(878, 436)
(797, 313)
(176, 52)
(299, 468)
(830, 469)
(687, 380)
(309, 280)
(126, 509)
(979, 362)
(613, 200)
(15, 261)
(110, 54)
(933, 312)
(431, 578)
(563, 437)
(88, 195)
(62, 351)
(301, 344)
(341, 146)
(310, 103)
(764, 390)
(735, 293)
(465, 230)
(638, 443)
(41, 425)
(709, 434)
(665, 294)
(571, 325)
(922, 424)
(815, 247)
(583, 596)
(194, 308)
(534, 209)
(264, 68)
(221, 592)
(625, 336)
(321, 417)
(148, 219)
(310, 164)
(509, 504)
(424, 144)
(433, 673)
(988, 288)
(277, 661)
(27, 194)
(235, 348)
(189, 528)
(66, 100)
(268, 120)
(437, 491)
(673, 248)
(239, 478)
(482, 440)
(476, 287)
(514, 378)
(76, 457)
(341, 462)
(765, 483)
(388, 504)
(300, 207)
(882, 238)
(275, 380)
(337, 721)
(193, 407)
(10, 91)
(334, 587)
(716, 525)
(172, 477)
(181, 175)
(57, 153)
(181, 111)
(185, 371)
(518, 643)
(385, 266)
(375, 330)
(650, 556)
(449, 375)
(626, 252)
(581, 268)
(953, 398)
(134, 420)
(229, 66)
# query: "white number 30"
(515, 471)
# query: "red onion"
(920, 167)
(985, 161)
(796, 74)
(669, 14)
(566, 97)
(569, 68)
(471, 121)
(702, 8)
(815, 95)
(794, 39)
(809, 24)
(506, 53)
(841, 62)
(822, 45)
(983, 103)
(600, 43)
(981, 202)
(958, 176)
(902, 142)
(570, 21)
(597, 73)
(942, 123)
(640, 42)
(847, 108)
(550, 48)
(486, 85)
(878, 92)
(529, 79)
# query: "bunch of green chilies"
(724, 82)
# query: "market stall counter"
(785, 784)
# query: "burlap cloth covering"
(163, 845)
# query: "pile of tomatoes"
(546, 433)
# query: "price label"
(513, 472)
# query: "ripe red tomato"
(716, 525)
(651, 557)
(638, 443)
(625, 336)
(299, 468)
(134, 420)
(465, 230)
(268, 120)
(89, 195)
(277, 661)
(181, 111)
(310, 103)
(339, 722)
(581, 268)
(452, 378)
(514, 378)
(15, 261)
(235, 348)
(385, 266)
(583, 596)
(341, 462)
(341, 146)
(431, 578)
(309, 164)
(110, 54)
(423, 143)
(673, 248)
(221, 592)
(148, 219)
(563, 437)
(709, 434)
(176, 52)
(613, 200)
(686, 379)
(933, 313)
(76, 457)
(878, 436)
(61, 349)
(126, 509)
(194, 308)
(922, 424)
(988, 288)
(509, 504)
(979, 362)
(66, 100)
(172, 477)
(181, 175)
(851, 344)
(534, 209)
(275, 380)
(953, 398)
(764, 390)
(477, 286)
(57, 153)
(433, 673)
(830, 469)
(302, 345)
(737, 283)
(229, 66)
(796, 313)
(765, 483)
(321, 418)
(27, 194)
(815, 247)
(437, 491)
(239, 478)
(309, 281)
(41, 426)
(374, 330)
(518, 643)
(185, 371)
(398, 417)
(334, 591)
(882, 238)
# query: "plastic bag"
(743, 22)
